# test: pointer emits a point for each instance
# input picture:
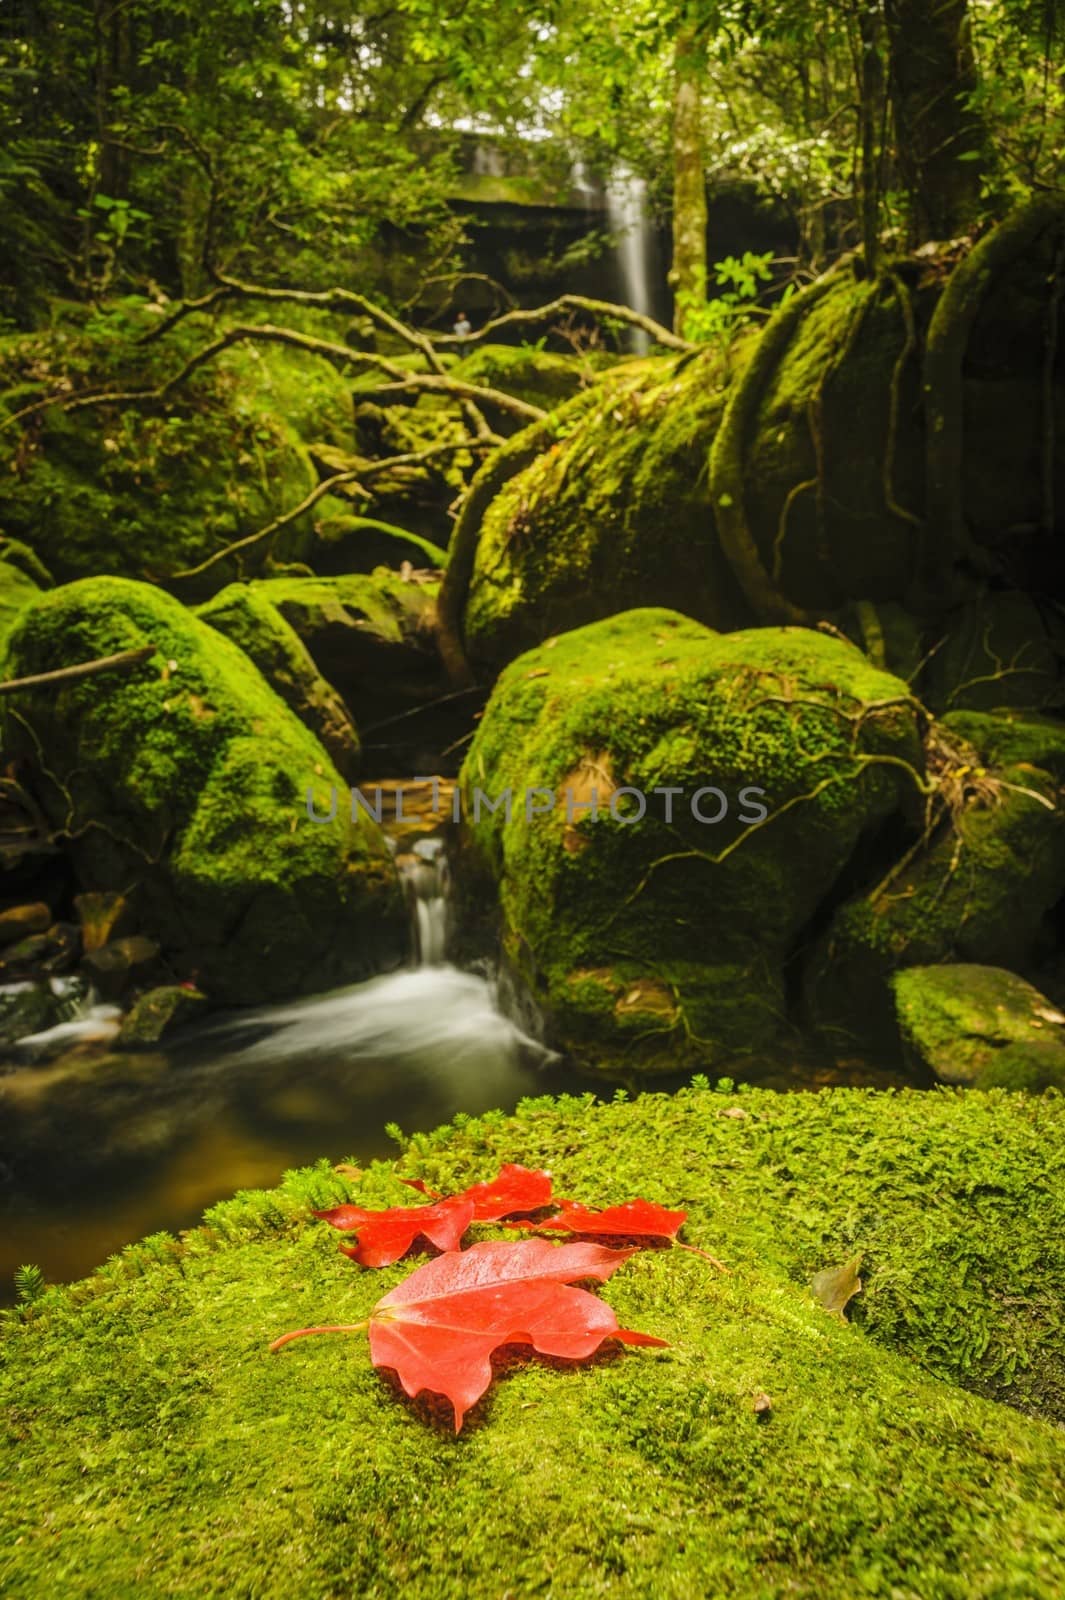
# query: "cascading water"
(626, 204)
(150, 1138)
(425, 875)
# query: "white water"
(626, 204)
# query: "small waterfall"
(626, 205)
(424, 872)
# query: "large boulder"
(613, 512)
(246, 616)
(659, 940)
(183, 783)
(975, 886)
(981, 1027)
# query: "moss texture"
(246, 616)
(663, 941)
(155, 1448)
(615, 513)
(22, 577)
(186, 777)
(980, 1025)
(143, 490)
(977, 889)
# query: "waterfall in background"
(424, 873)
(626, 205)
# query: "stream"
(97, 1150)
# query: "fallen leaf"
(515, 1191)
(384, 1236)
(836, 1287)
(636, 1219)
(438, 1329)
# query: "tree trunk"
(871, 88)
(688, 273)
(941, 144)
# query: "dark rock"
(20, 922)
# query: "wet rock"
(112, 964)
(158, 1013)
(21, 922)
(980, 1026)
(103, 916)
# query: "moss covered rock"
(660, 939)
(878, 1470)
(369, 634)
(246, 616)
(975, 887)
(157, 1014)
(614, 512)
(150, 490)
(22, 577)
(186, 776)
(980, 1025)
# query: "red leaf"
(516, 1190)
(636, 1219)
(384, 1236)
(439, 1328)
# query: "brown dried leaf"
(836, 1287)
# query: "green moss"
(379, 604)
(541, 377)
(245, 615)
(155, 1447)
(978, 889)
(616, 513)
(149, 490)
(1012, 738)
(22, 577)
(669, 938)
(979, 1025)
(187, 778)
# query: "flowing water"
(626, 203)
(98, 1148)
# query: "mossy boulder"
(975, 887)
(246, 616)
(22, 577)
(659, 940)
(151, 490)
(613, 512)
(887, 1465)
(541, 377)
(187, 776)
(982, 1026)
(369, 634)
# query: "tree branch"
(84, 669)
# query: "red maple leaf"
(636, 1219)
(384, 1236)
(439, 1328)
(516, 1190)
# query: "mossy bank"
(155, 1448)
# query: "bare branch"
(85, 669)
